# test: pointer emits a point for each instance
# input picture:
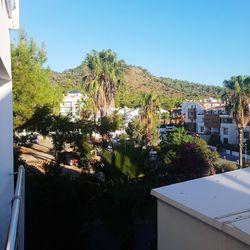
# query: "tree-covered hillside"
(137, 81)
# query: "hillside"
(138, 80)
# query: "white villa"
(71, 104)
(127, 114)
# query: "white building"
(229, 132)
(209, 117)
(71, 104)
(193, 111)
(190, 109)
(9, 19)
(127, 114)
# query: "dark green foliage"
(190, 162)
(70, 213)
(237, 98)
(129, 92)
(41, 120)
(186, 157)
(31, 86)
(136, 131)
(103, 73)
(126, 160)
(109, 124)
(193, 90)
(62, 130)
(69, 79)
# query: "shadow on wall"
(6, 157)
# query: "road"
(39, 153)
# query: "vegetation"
(31, 85)
(62, 131)
(103, 73)
(149, 115)
(237, 98)
(136, 82)
(110, 200)
(187, 157)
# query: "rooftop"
(222, 201)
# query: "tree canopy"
(31, 85)
(237, 98)
(104, 71)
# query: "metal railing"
(15, 238)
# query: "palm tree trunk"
(240, 130)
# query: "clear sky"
(203, 41)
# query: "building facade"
(210, 119)
(190, 109)
(8, 20)
(71, 104)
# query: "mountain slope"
(138, 80)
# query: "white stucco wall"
(210, 213)
(232, 133)
(179, 231)
(6, 126)
(187, 105)
(70, 104)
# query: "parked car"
(165, 128)
(69, 158)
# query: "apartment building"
(71, 104)
(209, 118)
(199, 115)
(229, 132)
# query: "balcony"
(15, 237)
(207, 213)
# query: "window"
(226, 120)
(202, 129)
(225, 140)
(246, 134)
(225, 131)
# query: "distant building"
(127, 114)
(208, 118)
(71, 104)
(190, 109)
(194, 114)
(229, 132)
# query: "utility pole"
(245, 153)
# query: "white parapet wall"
(211, 213)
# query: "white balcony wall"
(211, 213)
(6, 126)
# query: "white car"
(165, 128)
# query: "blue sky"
(203, 41)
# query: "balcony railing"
(15, 238)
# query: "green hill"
(137, 81)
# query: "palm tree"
(237, 100)
(149, 109)
(103, 72)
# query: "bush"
(187, 157)
(226, 167)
